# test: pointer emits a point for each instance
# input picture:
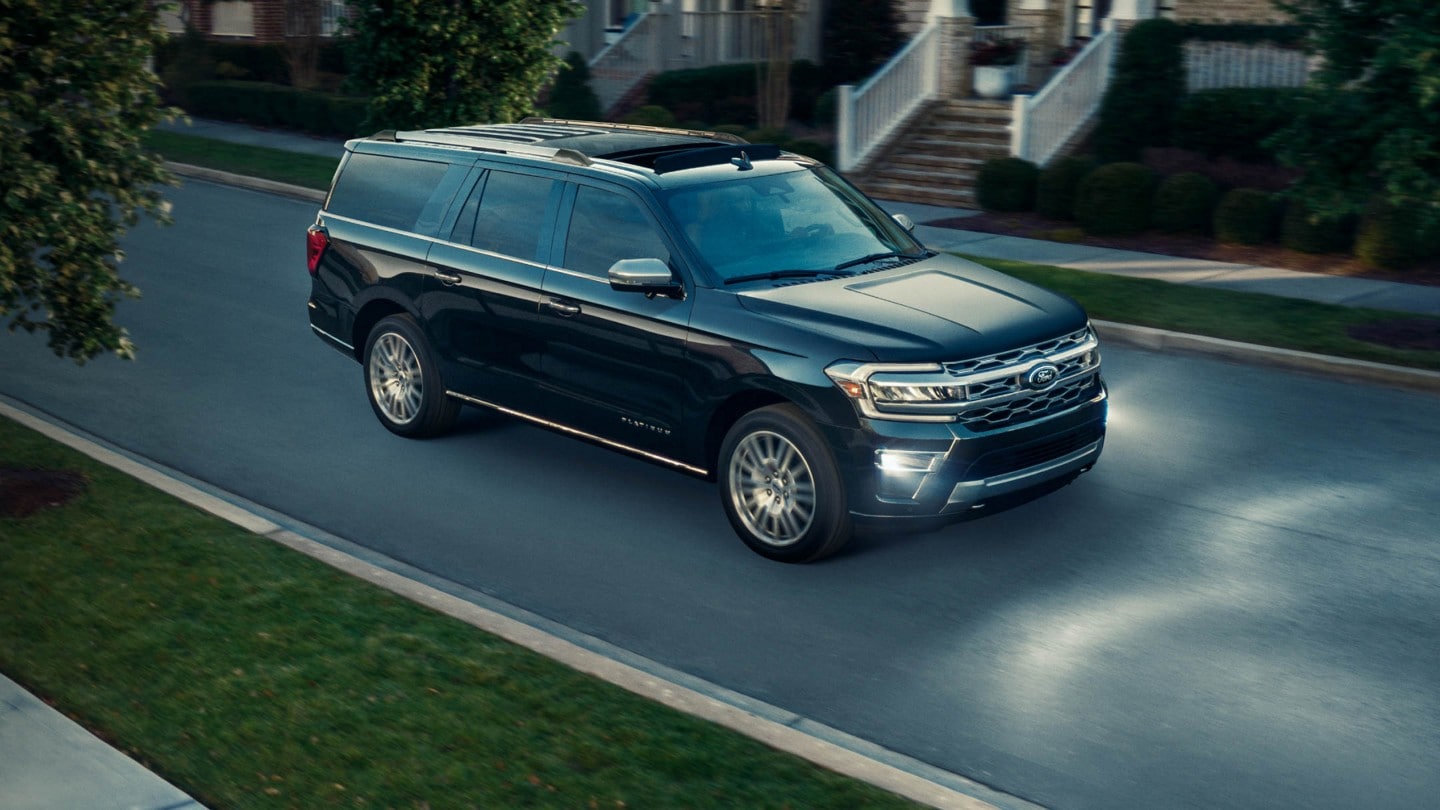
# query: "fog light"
(908, 461)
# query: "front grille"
(1011, 459)
(1022, 409)
(978, 365)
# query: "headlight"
(908, 392)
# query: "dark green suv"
(723, 308)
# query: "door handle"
(448, 279)
(561, 308)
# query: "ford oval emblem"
(1042, 376)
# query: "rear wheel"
(403, 382)
(780, 486)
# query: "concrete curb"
(1145, 337)
(245, 181)
(789, 737)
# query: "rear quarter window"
(388, 191)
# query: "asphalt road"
(1240, 607)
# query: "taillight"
(316, 240)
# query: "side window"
(384, 190)
(606, 227)
(505, 214)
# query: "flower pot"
(992, 81)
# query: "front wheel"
(403, 380)
(780, 486)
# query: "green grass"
(252, 676)
(1247, 317)
(310, 171)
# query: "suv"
(726, 309)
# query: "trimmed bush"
(1185, 203)
(1114, 200)
(1245, 216)
(1142, 98)
(571, 96)
(1058, 184)
(1300, 230)
(1390, 237)
(1006, 184)
(275, 105)
(1235, 122)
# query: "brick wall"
(1227, 11)
(269, 20)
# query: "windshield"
(806, 222)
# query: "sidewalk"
(48, 762)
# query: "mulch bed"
(25, 492)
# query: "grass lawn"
(252, 676)
(310, 171)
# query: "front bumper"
(897, 470)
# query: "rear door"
(616, 360)
(482, 305)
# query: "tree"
(1145, 93)
(858, 36)
(1369, 124)
(427, 63)
(303, 21)
(75, 99)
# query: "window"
(385, 191)
(233, 18)
(606, 227)
(505, 214)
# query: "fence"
(1043, 123)
(867, 115)
(1211, 65)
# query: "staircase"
(937, 158)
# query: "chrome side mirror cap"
(650, 277)
(905, 222)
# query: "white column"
(1132, 10)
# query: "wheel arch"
(737, 405)
(367, 317)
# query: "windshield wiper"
(774, 274)
(875, 257)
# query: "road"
(1240, 607)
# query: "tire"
(780, 486)
(402, 380)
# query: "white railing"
(868, 114)
(1043, 123)
(1210, 65)
(626, 61)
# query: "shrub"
(725, 94)
(1140, 103)
(571, 96)
(651, 115)
(276, 105)
(1300, 230)
(812, 149)
(1234, 122)
(1245, 216)
(1057, 185)
(1185, 203)
(1006, 184)
(1114, 200)
(1391, 237)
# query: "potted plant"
(993, 60)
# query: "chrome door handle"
(562, 308)
(448, 279)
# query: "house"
(258, 21)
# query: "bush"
(571, 96)
(1140, 103)
(275, 105)
(1057, 185)
(651, 115)
(1391, 237)
(1185, 203)
(1300, 230)
(1245, 216)
(812, 149)
(1234, 122)
(725, 94)
(1006, 184)
(1114, 200)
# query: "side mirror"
(905, 222)
(651, 277)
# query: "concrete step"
(927, 160)
(987, 133)
(953, 147)
(952, 196)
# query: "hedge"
(1114, 200)
(1006, 184)
(1245, 216)
(1185, 203)
(265, 104)
(725, 94)
(1235, 121)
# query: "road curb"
(787, 736)
(1145, 337)
(245, 181)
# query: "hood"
(943, 308)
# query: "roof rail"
(480, 143)
(695, 133)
